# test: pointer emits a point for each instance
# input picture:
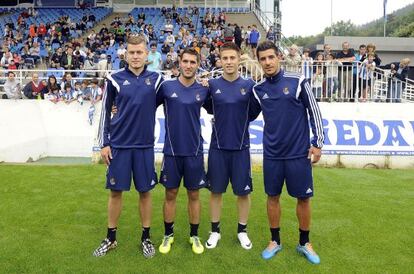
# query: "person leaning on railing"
(396, 83)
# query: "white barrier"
(358, 135)
(32, 129)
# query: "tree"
(341, 28)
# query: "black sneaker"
(104, 247)
(148, 249)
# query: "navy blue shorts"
(174, 168)
(136, 163)
(296, 172)
(228, 165)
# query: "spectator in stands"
(170, 40)
(238, 35)
(366, 75)
(41, 31)
(346, 57)
(270, 35)
(307, 63)
(167, 65)
(6, 59)
(70, 61)
(396, 83)
(355, 70)
(371, 50)
(68, 93)
(141, 17)
(331, 75)
(103, 65)
(56, 58)
(35, 88)
(67, 79)
(168, 27)
(165, 48)
(121, 49)
(154, 59)
(174, 55)
(327, 49)
(122, 62)
(318, 76)
(254, 38)
(228, 33)
(96, 91)
(52, 85)
(293, 60)
(17, 59)
(89, 64)
(12, 87)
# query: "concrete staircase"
(108, 20)
(246, 19)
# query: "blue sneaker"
(272, 249)
(307, 251)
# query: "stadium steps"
(248, 19)
(108, 20)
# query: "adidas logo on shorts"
(201, 182)
(152, 182)
(308, 191)
(247, 188)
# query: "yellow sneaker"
(165, 246)
(197, 246)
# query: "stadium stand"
(87, 42)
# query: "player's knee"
(145, 195)
(193, 195)
(115, 194)
(273, 199)
(303, 201)
(171, 194)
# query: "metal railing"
(329, 83)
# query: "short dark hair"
(263, 46)
(11, 72)
(230, 46)
(362, 46)
(190, 51)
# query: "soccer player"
(127, 140)
(182, 98)
(286, 101)
(230, 100)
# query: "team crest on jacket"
(243, 91)
(148, 81)
(198, 98)
(286, 91)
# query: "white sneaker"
(244, 240)
(213, 240)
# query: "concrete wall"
(357, 135)
(390, 49)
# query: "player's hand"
(114, 110)
(106, 155)
(314, 154)
(204, 82)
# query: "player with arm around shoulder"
(232, 103)
(182, 99)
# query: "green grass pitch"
(52, 218)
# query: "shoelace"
(166, 240)
(196, 241)
(310, 248)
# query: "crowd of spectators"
(346, 75)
